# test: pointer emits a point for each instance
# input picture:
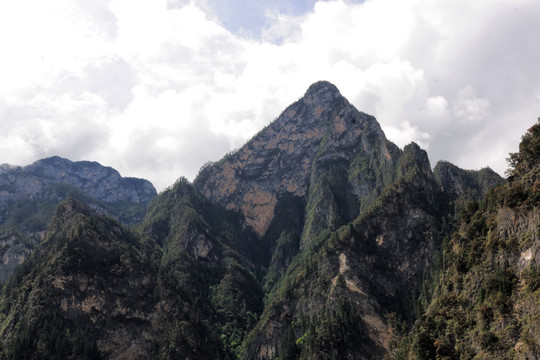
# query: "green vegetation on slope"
(210, 258)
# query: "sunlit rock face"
(286, 157)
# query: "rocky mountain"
(322, 161)
(370, 214)
(320, 131)
(335, 294)
(29, 196)
(100, 182)
(318, 239)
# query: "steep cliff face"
(322, 162)
(320, 129)
(341, 213)
(29, 196)
(335, 296)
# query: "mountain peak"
(321, 128)
(321, 93)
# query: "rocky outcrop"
(14, 248)
(337, 296)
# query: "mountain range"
(318, 239)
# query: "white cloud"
(469, 107)
(156, 88)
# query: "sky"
(157, 88)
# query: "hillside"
(92, 290)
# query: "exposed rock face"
(367, 268)
(373, 212)
(285, 157)
(14, 248)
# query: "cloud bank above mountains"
(156, 88)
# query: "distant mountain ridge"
(103, 183)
